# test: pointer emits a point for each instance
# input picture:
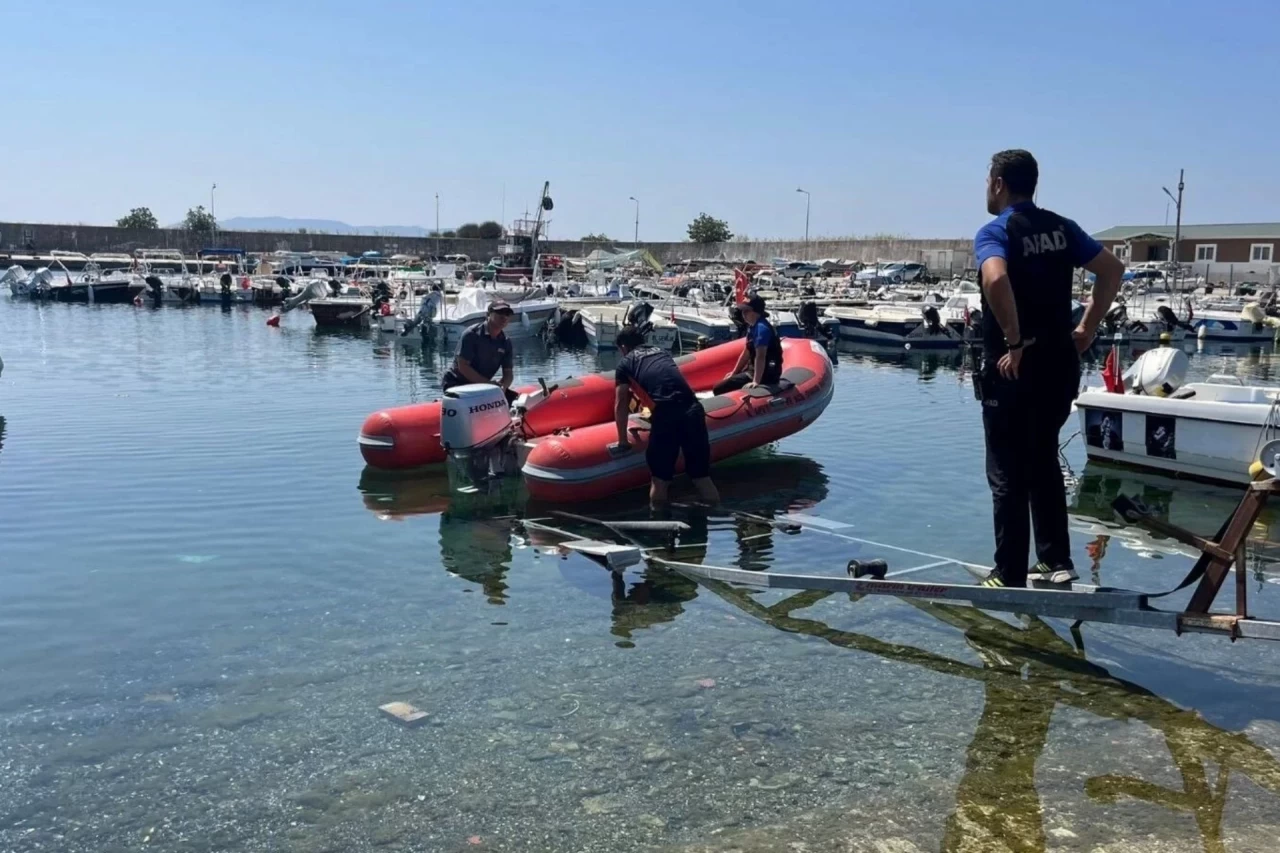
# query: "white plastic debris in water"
(197, 558)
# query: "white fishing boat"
(448, 317)
(932, 326)
(1210, 430)
(601, 324)
(1249, 323)
(701, 320)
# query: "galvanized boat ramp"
(1077, 602)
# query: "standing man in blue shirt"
(761, 359)
(1027, 258)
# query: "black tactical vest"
(1041, 270)
(772, 355)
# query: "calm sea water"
(204, 600)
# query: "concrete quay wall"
(26, 237)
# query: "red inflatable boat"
(583, 465)
(409, 436)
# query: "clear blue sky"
(887, 112)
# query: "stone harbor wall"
(18, 237)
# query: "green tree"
(140, 219)
(469, 231)
(708, 229)
(490, 230)
(597, 238)
(200, 220)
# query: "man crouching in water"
(678, 422)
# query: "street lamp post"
(1177, 228)
(437, 226)
(213, 216)
(636, 241)
(807, 199)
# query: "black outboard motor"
(1114, 319)
(932, 320)
(808, 290)
(808, 317)
(381, 294)
(225, 284)
(156, 287)
(335, 286)
(286, 287)
(638, 317)
(739, 322)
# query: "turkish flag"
(1111, 373)
(740, 283)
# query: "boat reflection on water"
(1193, 506)
(476, 529)
(1027, 672)
(926, 362)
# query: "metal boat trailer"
(1077, 602)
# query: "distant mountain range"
(328, 226)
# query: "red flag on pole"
(1111, 373)
(740, 284)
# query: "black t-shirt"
(1043, 250)
(485, 353)
(656, 373)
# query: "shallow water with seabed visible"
(204, 599)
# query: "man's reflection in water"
(660, 594)
(1027, 671)
(477, 550)
(475, 538)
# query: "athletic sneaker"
(1044, 573)
(993, 580)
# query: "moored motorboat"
(584, 464)
(1210, 430)
(409, 436)
(601, 324)
(921, 326)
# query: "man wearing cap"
(483, 350)
(761, 359)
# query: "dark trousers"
(739, 380)
(1021, 420)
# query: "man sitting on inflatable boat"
(677, 420)
(484, 349)
(761, 359)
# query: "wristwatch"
(1014, 347)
